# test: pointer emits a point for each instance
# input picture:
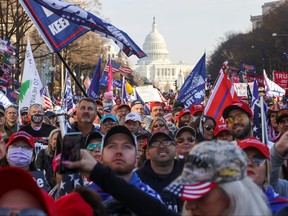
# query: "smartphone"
(70, 150)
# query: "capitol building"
(157, 67)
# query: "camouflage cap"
(208, 164)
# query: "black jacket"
(129, 195)
(159, 182)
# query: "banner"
(91, 22)
(104, 81)
(31, 83)
(56, 31)
(252, 77)
(148, 93)
(193, 89)
(272, 89)
(281, 78)
(241, 88)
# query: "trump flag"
(193, 89)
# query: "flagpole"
(261, 94)
(72, 75)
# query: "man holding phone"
(120, 153)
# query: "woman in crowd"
(158, 124)
(205, 128)
(209, 185)
(185, 141)
(259, 170)
(45, 156)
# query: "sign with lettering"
(41, 180)
(281, 78)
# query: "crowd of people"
(172, 161)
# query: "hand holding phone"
(70, 151)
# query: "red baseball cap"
(156, 103)
(182, 112)
(12, 178)
(220, 127)
(253, 142)
(21, 135)
(197, 107)
(123, 105)
(239, 105)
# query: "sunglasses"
(23, 212)
(231, 119)
(165, 143)
(209, 127)
(24, 114)
(257, 160)
(158, 125)
(94, 146)
(188, 139)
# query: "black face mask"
(37, 118)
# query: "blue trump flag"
(90, 21)
(93, 90)
(56, 31)
(193, 89)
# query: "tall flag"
(68, 96)
(125, 97)
(256, 108)
(31, 83)
(77, 15)
(272, 89)
(222, 96)
(48, 104)
(56, 31)
(193, 89)
(137, 97)
(110, 78)
(93, 90)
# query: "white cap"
(133, 117)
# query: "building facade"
(157, 67)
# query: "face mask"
(19, 157)
(37, 118)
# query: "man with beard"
(86, 111)
(119, 152)
(239, 119)
(157, 109)
(161, 167)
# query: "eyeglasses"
(209, 127)
(158, 125)
(109, 123)
(23, 212)
(165, 143)
(239, 117)
(188, 139)
(257, 160)
(94, 146)
(24, 114)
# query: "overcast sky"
(190, 27)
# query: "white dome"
(155, 46)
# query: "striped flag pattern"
(47, 102)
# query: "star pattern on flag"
(69, 182)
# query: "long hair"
(49, 150)
(246, 198)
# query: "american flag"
(125, 97)
(69, 182)
(256, 108)
(68, 96)
(116, 67)
(47, 102)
